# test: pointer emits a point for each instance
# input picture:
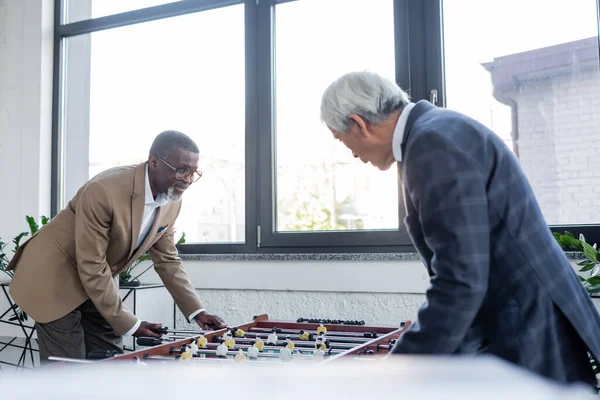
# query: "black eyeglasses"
(184, 173)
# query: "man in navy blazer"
(499, 282)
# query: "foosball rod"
(238, 347)
(297, 343)
(70, 360)
(328, 333)
(344, 336)
(147, 342)
(332, 337)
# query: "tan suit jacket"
(80, 252)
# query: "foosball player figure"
(320, 344)
(318, 354)
(240, 356)
(258, 343)
(237, 332)
(222, 350)
(272, 338)
(193, 348)
(304, 335)
(253, 351)
(186, 353)
(288, 343)
(285, 354)
(228, 340)
(201, 341)
(321, 329)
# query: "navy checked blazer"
(499, 282)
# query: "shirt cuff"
(192, 315)
(135, 328)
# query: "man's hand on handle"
(145, 330)
(209, 321)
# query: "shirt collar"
(399, 131)
(161, 199)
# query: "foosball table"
(266, 341)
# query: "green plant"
(590, 266)
(589, 271)
(4, 260)
(126, 276)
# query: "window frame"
(418, 42)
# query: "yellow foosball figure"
(237, 332)
(187, 354)
(289, 344)
(321, 329)
(258, 343)
(304, 335)
(320, 344)
(228, 340)
(201, 341)
(240, 356)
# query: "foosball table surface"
(266, 341)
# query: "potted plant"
(129, 278)
(4, 260)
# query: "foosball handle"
(101, 354)
(148, 341)
(161, 331)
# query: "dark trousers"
(76, 334)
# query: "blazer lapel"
(151, 233)
(137, 204)
(419, 109)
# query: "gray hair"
(167, 142)
(364, 93)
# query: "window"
(319, 185)
(528, 69)
(184, 73)
(245, 80)
(79, 10)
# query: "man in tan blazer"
(66, 275)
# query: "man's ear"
(363, 129)
(152, 162)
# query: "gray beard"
(171, 195)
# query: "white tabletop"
(403, 378)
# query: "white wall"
(558, 144)
(378, 292)
(26, 35)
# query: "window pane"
(536, 83)
(79, 10)
(187, 74)
(320, 186)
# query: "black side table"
(28, 331)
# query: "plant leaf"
(590, 252)
(17, 240)
(593, 289)
(588, 266)
(33, 226)
(594, 280)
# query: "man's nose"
(354, 155)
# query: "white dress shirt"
(150, 207)
(399, 131)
